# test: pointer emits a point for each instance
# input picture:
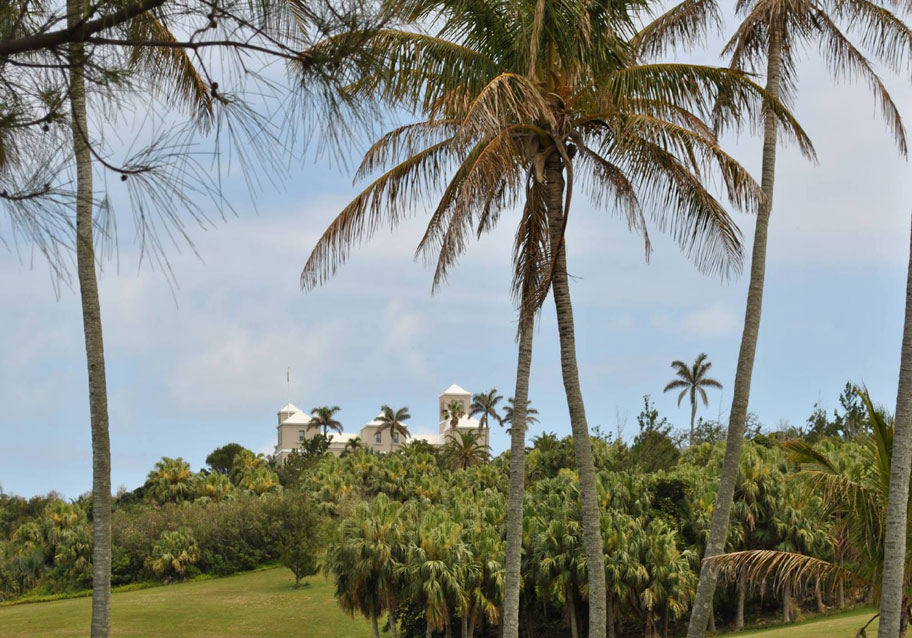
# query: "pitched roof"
(455, 389)
(289, 408)
(298, 418)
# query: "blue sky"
(204, 364)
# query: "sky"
(204, 363)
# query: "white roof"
(344, 437)
(455, 389)
(289, 408)
(464, 422)
(433, 439)
(298, 418)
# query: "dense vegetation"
(417, 537)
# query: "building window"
(378, 437)
(395, 437)
(302, 435)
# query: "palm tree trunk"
(570, 608)
(693, 417)
(513, 558)
(592, 533)
(741, 393)
(712, 618)
(891, 599)
(448, 630)
(428, 633)
(94, 342)
(374, 625)
(472, 619)
(840, 594)
(611, 610)
(742, 594)
(464, 629)
(394, 631)
(818, 594)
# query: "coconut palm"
(463, 450)
(894, 599)
(531, 416)
(353, 445)
(485, 404)
(691, 381)
(857, 500)
(394, 421)
(324, 417)
(171, 481)
(452, 412)
(517, 108)
(768, 38)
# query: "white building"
(295, 427)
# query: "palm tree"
(857, 500)
(463, 450)
(244, 463)
(692, 380)
(366, 560)
(485, 404)
(323, 417)
(352, 445)
(171, 481)
(519, 106)
(894, 599)
(768, 38)
(531, 416)
(394, 421)
(452, 412)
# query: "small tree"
(301, 531)
(221, 459)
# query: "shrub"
(173, 555)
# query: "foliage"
(221, 459)
(302, 537)
(173, 555)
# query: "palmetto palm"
(365, 560)
(452, 412)
(485, 404)
(692, 381)
(463, 450)
(324, 417)
(394, 421)
(858, 503)
(171, 481)
(521, 101)
(768, 39)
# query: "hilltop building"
(294, 427)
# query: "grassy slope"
(840, 625)
(258, 605)
(265, 605)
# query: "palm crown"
(324, 417)
(505, 87)
(692, 380)
(394, 421)
(485, 404)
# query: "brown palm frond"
(779, 570)
(507, 99)
(386, 199)
(402, 142)
(844, 59)
(685, 24)
(531, 250)
(609, 180)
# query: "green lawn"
(265, 604)
(842, 625)
(262, 604)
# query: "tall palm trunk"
(513, 559)
(896, 526)
(570, 609)
(786, 604)
(374, 624)
(94, 343)
(592, 533)
(742, 594)
(693, 416)
(721, 512)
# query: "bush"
(173, 555)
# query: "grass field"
(265, 604)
